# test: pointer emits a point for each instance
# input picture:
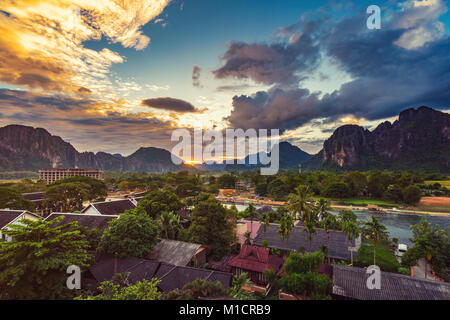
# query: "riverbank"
(391, 211)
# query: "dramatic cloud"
(42, 41)
(90, 125)
(268, 64)
(274, 109)
(169, 104)
(388, 76)
(196, 72)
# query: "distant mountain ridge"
(28, 148)
(419, 139)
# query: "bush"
(412, 195)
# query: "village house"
(298, 240)
(113, 207)
(350, 283)
(91, 221)
(179, 253)
(171, 277)
(10, 217)
(255, 261)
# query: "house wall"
(25, 215)
(255, 277)
(91, 210)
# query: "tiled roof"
(350, 282)
(86, 220)
(175, 277)
(172, 277)
(113, 207)
(174, 252)
(339, 242)
(256, 259)
(33, 196)
(103, 269)
(7, 216)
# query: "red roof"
(256, 259)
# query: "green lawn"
(365, 202)
(385, 257)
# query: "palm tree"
(248, 238)
(250, 212)
(375, 231)
(329, 223)
(286, 225)
(240, 281)
(265, 220)
(169, 224)
(323, 207)
(352, 230)
(310, 227)
(300, 203)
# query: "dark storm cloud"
(276, 108)
(170, 104)
(27, 99)
(388, 75)
(284, 63)
(196, 72)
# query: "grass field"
(365, 202)
(445, 183)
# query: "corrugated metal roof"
(351, 282)
(174, 252)
(298, 238)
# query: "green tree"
(261, 189)
(212, 224)
(33, 265)
(296, 263)
(13, 199)
(169, 224)
(285, 227)
(328, 224)
(352, 230)
(277, 190)
(198, 288)
(265, 221)
(310, 228)
(141, 290)
(431, 243)
(300, 204)
(132, 235)
(250, 212)
(338, 190)
(159, 201)
(227, 181)
(357, 182)
(412, 195)
(345, 216)
(67, 197)
(323, 208)
(97, 188)
(375, 231)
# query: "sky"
(113, 76)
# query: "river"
(396, 224)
